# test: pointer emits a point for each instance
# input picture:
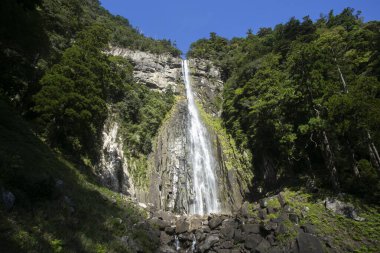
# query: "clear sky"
(187, 21)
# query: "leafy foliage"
(304, 98)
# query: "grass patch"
(344, 233)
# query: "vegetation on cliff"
(304, 98)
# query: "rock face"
(158, 72)
(207, 84)
(113, 168)
(169, 188)
(170, 185)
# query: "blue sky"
(187, 21)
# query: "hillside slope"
(59, 206)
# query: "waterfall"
(201, 157)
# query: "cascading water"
(201, 159)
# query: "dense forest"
(54, 70)
(304, 97)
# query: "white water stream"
(201, 157)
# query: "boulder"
(170, 230)
(263, 246)
(215, 222)
(227, 244)
(263, 203)
(181, 226)
(195, 223)
(252, 241)
(342, 208)
(263, 214)
(223, 250)
(161, 224)
(308, 228)
(200, 235)
(308, 243)
(251, 228)
(281, 199)
(294, 218)
(208, 243)
(238, 236)
(271, 210)
(228, 229)
(165, 238)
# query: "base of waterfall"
(247, 230)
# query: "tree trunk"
(354, 162)
(374, 154)
(345, 88)
(330, 162)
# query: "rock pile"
(241, 232)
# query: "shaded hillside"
(59, 205)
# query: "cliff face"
(208, 85)
(169, 184)
(158, 72)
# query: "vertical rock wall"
(170, 183)
(112, 169)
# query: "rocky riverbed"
(239, 232)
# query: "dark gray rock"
(181, 226)
(308, 243)
(294, 218)
(161, 224)
(228, 229)
(165, 238)
(263, 203)
(281, 199)
(271, 239)
(165, 249)
(170, 230)
(223, 250)
(186, 237)
(9, 200)
(215, 222)
(200, 235)
(263, 214)
(276, 249)
(252, 241)
(195, 223)
(270, 226)
(244, 210)
(208, 243)
(263, 246)
(238, 236)
(206, 229)
(251, 228)
(227, 244)
(271, 210)
(308, 228)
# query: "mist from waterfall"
(201, 157)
